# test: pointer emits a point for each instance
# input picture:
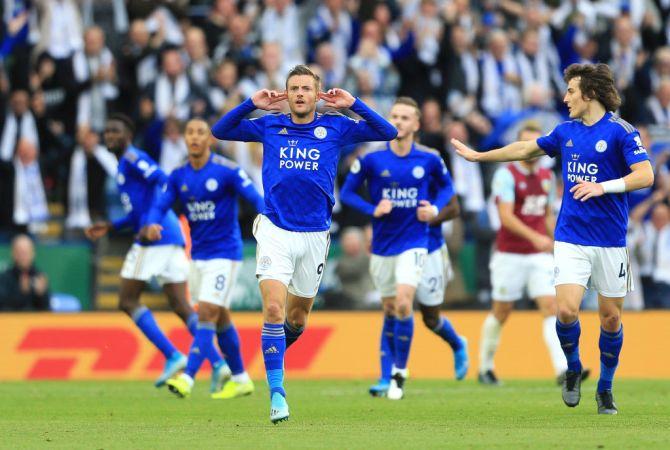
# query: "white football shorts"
(167, 263)
(295, 258)
(605, 269)
(512, 273)
(389, 271)
(213, 280)
(437, 273)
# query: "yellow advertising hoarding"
(336, 345)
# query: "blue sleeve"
(442, 179)
(148, 169)
(163, 201)
(234, 127)
(551, 143)
(632, 148)
(372, 128)
(348, 194)
(246, 189)
(122, 222)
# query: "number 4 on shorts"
(622, 271)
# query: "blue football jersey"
(139, 180)
(405, 180)
(209, 199)
(300, 160)
(600, 152)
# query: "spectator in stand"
(271, 74)
(90, 166)
(173, 91)
(280, 23)
(657, 107)
(173, 150)
(239, 45)
(500, 78)
(225, 94)
(431, 133)
(352, 270)
(198, 62)
(22, 286)
(333, 74)
(19, 124)
(95, 68)
(217, 22)
(332, 23)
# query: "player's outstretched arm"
(234, 127)
(373, 127)
(516, 151)
(641, 176)
(350, 197)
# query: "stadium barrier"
(93, 346)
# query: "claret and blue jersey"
(405, 181)
(209, 200)
(300, 160)
(139, 180)
(600, 152)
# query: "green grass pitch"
(331, 414)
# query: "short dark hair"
(409, 101)
(302, 69)
(125, 120)
(596, 82)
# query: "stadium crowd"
(480, 69)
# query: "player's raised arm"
(516, 151)
(246, 189)
(234, 127)
(373, 127)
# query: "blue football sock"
(200, 348)
(214, 357)
(145, 321)
(404, 330)
(229, 341)
(446, 331)
(292, 333)
(192, 323)
(273, 344)
(387, 347)
(568, 335)
(610, 346)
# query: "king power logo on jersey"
(293, 156)
(402, 197)
(198, 211)
(581, 170)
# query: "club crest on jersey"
(265, 262)
(601, 146)
(320, 132)
(143, 165)
(211, 185)
(356, 166)
(418, 172)
(121, 179)
(523, 185)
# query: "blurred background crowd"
(478, 68)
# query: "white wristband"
(614, 186)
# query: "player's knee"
(297, 319)
(274, 312)
(404, 309)
(610, 321)
(389, 309)
(128, 304)
(567, 314)
(430, 320)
